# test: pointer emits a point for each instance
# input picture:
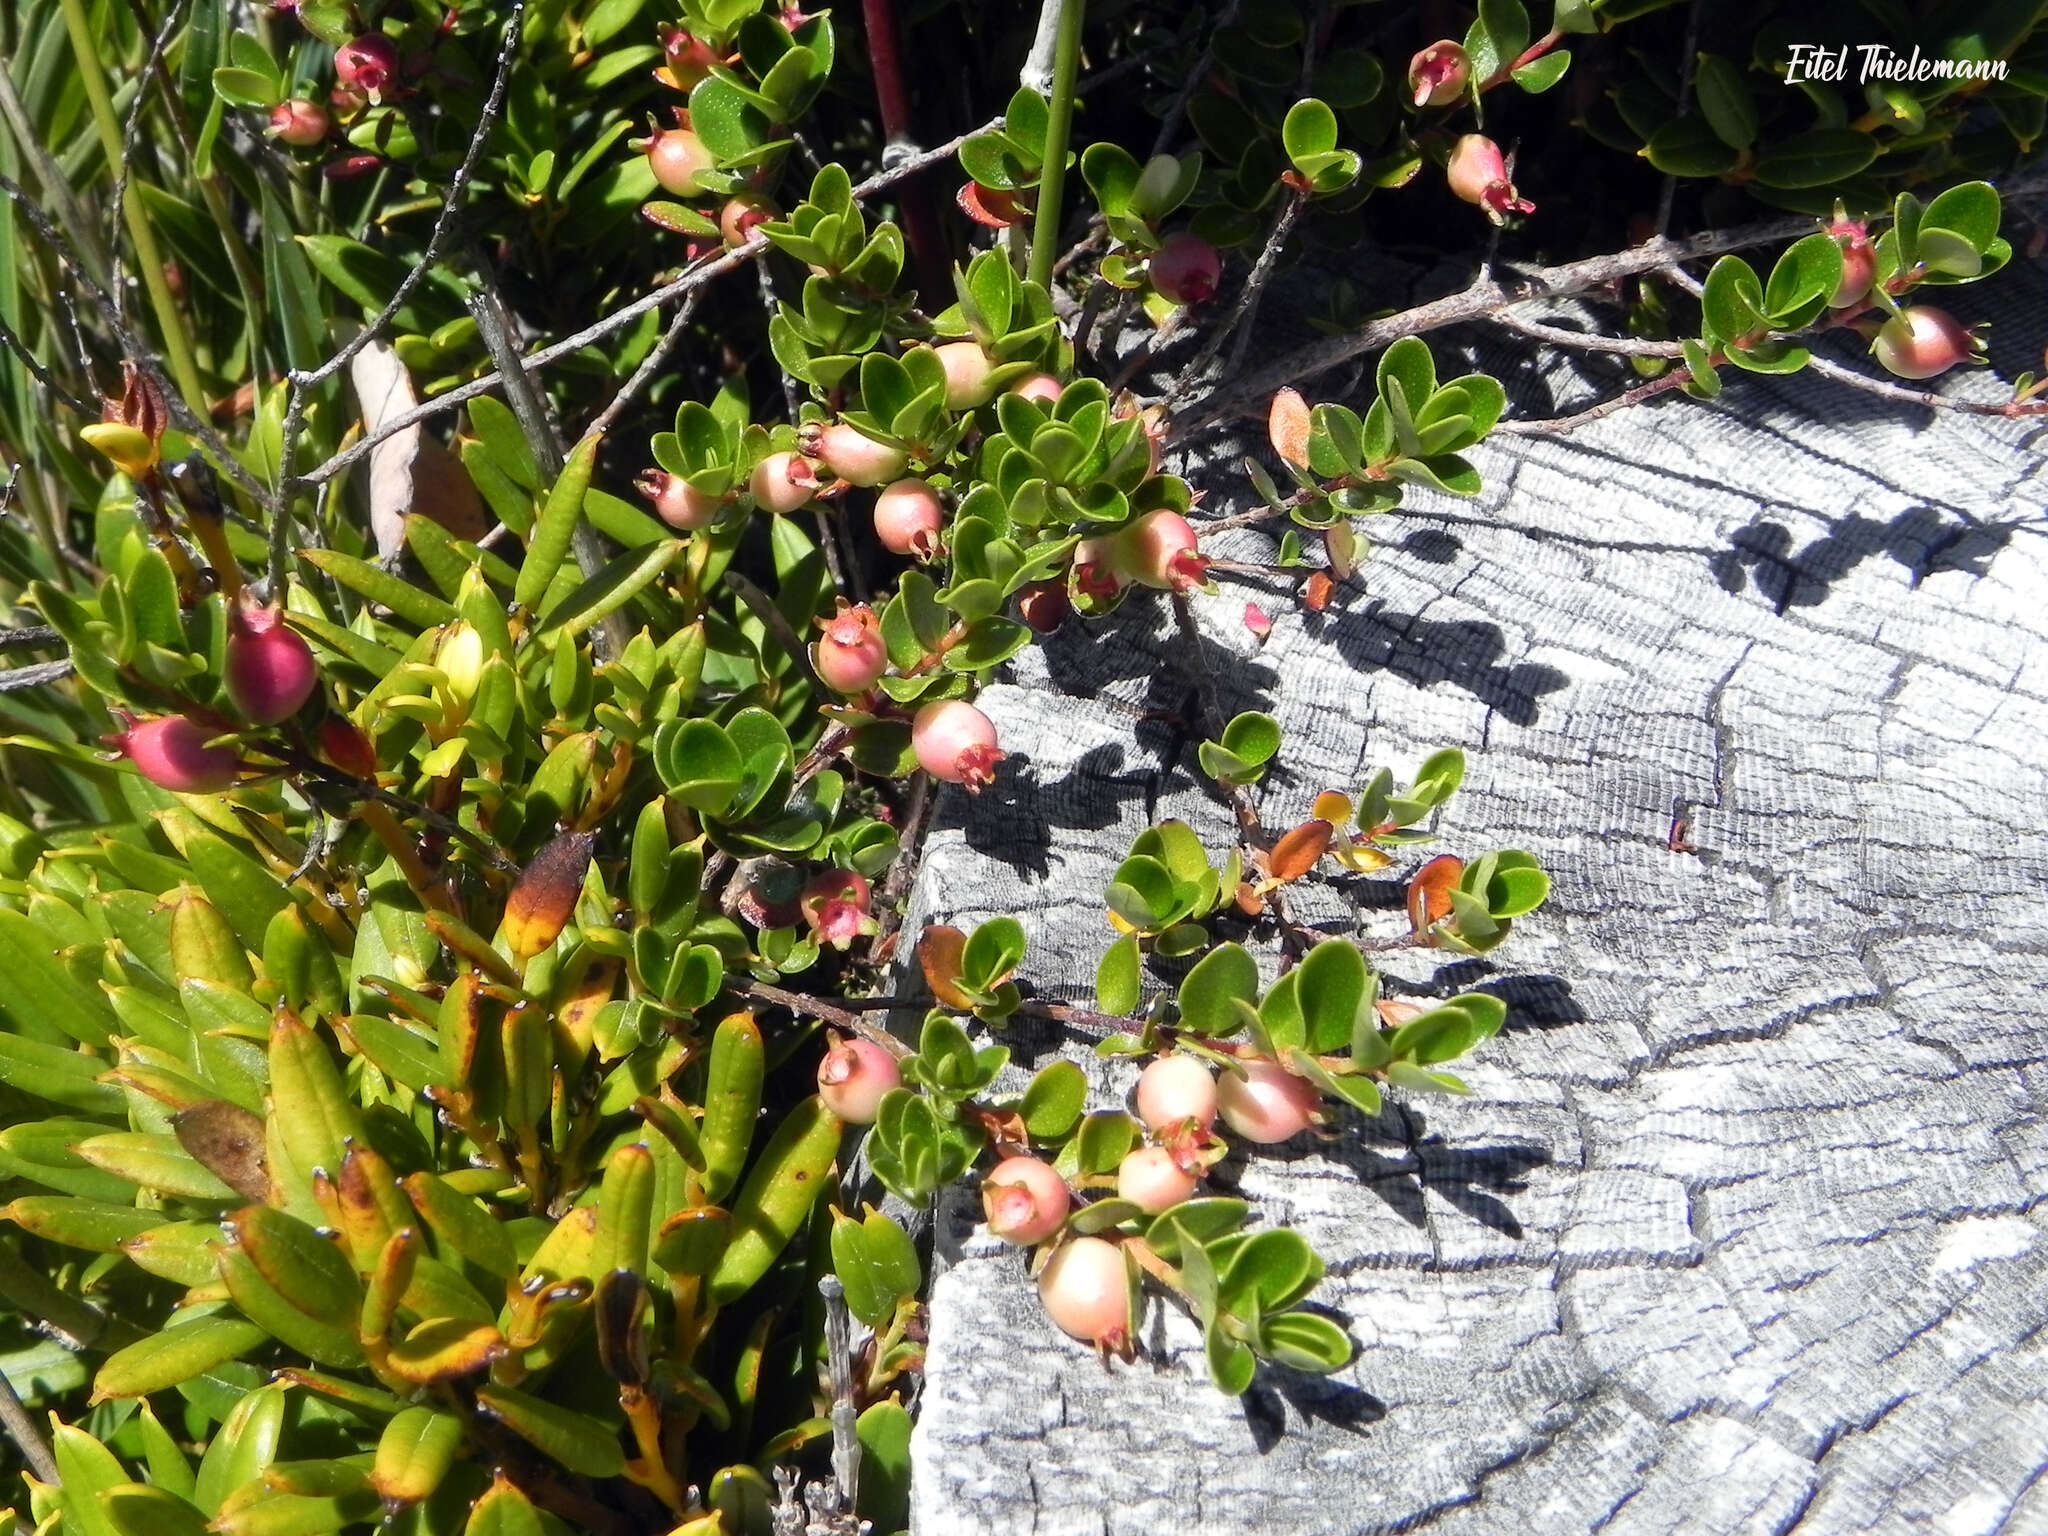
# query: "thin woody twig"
(695, 277)
(172, 13)
(27, 1436)
(1484, 299)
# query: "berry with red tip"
(679, 160)
(269, 671)
(299, 123)
(1174, 1091)
(908, 516)
(854, 457)
(1026, 1200)
(677, 502)
(1040, 387)
(836, 904)
(1268, 1103)
(1159, 550)
(742, 215)
(1478, 174)
(1922, 342)
(368, 63)
(171, 752)
(686, 59)
(783, 482)
(1859, 263)
(853, 1077)
(1151, 1179)
(1438, 74)
(850, 656)
(1186, 269)
(1085, 1288)
(956, 742)
(967, 369)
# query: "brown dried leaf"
(228, 1140)
(543, 901)
(1296, 853)
(938, 953)
(1287, 427)
(1429, 892)
(1317, 591)
(409, 470)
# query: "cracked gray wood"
(1742, 1228)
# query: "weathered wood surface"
(1743, 1226)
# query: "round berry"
(1174, 1090)
(1923, 342)
(853, 1077)
(742, 215)
(1026, 1200)
(679, 160)
(783, 482)
(299, 123)
(269, 671)
(851, 655)
(369, 63)
(1151, 1180)
(1268, 1103)
(955, 742)
(1186, 269)
(1086, 1290)
(856, 458)
(171, 752)
(908, 517)
(677, 502)
(1040, 387)
(967, 370)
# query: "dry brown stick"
(1485, 299)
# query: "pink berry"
(1085, 1288)
(299, 123)
(1479, 175)
(856, 458)
(369, 63)
(1268, 1103)
(171, 752)
(1026, 1200)
(783, 482)
(1438, 73)
(850, 655)
(1186, 269)
(956, 742)
(269, 671)
(688, 59)
(679, 160)
(1042, 605)
(835, 903)
(742, 215)
(1151, 1180)
(967, 370)
(853, 1077)
(1173, 1091)
(677, 502)
(1859, 264)
(1921, 343)
(908, 516)
(1159, 550)
(1040, 387)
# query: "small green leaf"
(1117, 977)
(1054, 1101)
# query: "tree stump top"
(1743, 1225)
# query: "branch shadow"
(1276, 1388)
(1468, 654)
(1012, 820)
(1923, 540)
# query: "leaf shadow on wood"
(1466, 653)
(1276, 1388)
(1922, 539)
(1012, 820)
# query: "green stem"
(1066, 67)
(177, 347)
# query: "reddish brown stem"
(892, 94)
